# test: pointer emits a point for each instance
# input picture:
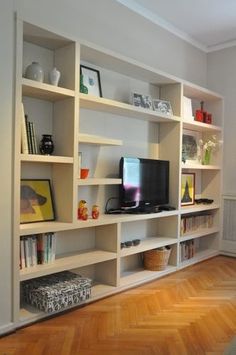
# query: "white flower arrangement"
(207, 147)
(211, 145)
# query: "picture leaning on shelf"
(140, 100)
(90, 82)
(163, 107)
(36, 203)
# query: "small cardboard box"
(58, 291)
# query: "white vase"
(34, 72)
(54, 76)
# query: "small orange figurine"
(84, 215)
(95, 212)
(82, 205)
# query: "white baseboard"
(4, 329)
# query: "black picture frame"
(91, 80)
(36, 201)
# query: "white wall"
(6, 142)
(103, 22)
(112, 25)
(221, 76)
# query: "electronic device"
(145, 184)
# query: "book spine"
(22, 254)
(27, 253)
(28, 134)
(24, 139)
(34, 139)
(34, 250)
(40, 249)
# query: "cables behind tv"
(110, 209)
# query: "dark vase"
(46, 146)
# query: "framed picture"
(36, 202)
(144, 101)
(162, 107)
(187, 189)
(190, 147)
(91, 79)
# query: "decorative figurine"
(95, 212)
(81, 207)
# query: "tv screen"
(145, 182)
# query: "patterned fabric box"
(58, 291)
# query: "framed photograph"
(91, 79)
(187, 189)
(140, 100)
(36, 204)
(162, 106)
(190, 147)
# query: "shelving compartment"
(51, 108)
(89, 252)
(120, 77)
(207, 185)
(199, 224)
(195, 250)
(61, 177)
(212, 103)
(54, 118)
(154, 233)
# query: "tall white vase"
(54, 76)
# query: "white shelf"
(123, 109)
(199, 208)
(199, 167)
(199, 256)
(105, 219)
(36, 158)
(147, 244)
(98, 140)
(99, 290)
(199, 233)
(135, 277)
(200, 127)
(194, 91)
(67, 262)
(43, 227)
(45, 91)
(98, 181)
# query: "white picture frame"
(162, 106)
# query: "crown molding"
(149, 15)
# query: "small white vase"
(54, 76)
(34, 72)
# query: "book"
(24, 138)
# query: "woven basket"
(155, 259)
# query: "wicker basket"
(155, 259)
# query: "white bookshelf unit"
(104, 129)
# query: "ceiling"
(207, 24)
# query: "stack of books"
(37, 249)
(194, 222)
(28, 137)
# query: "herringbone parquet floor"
(190, 312)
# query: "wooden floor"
(190, 312)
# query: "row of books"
(37, 249)
(28, 137)
(194, 222)
(187, 250)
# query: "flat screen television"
(145, 183)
